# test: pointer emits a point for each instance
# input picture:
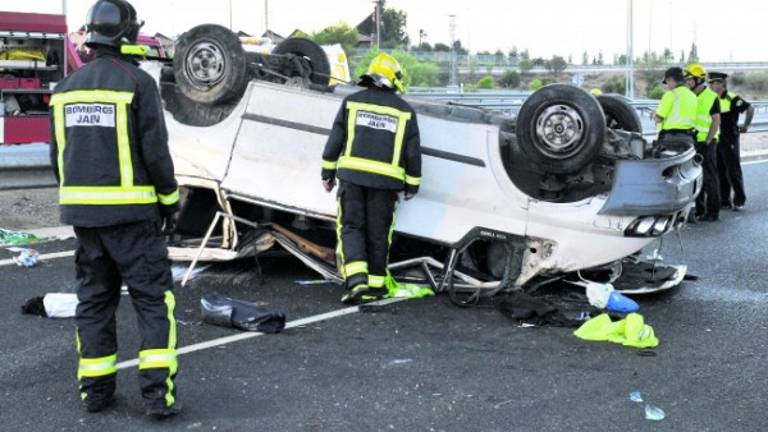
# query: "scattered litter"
(314, 282)
(178, 270)
(630, 331)
(646, 353)
(535, 311)
(398, 362)
(501, 404)
(51, 305)
(396, 289)
(604, 296)
(654, 413)
(690, 277)
(242, 315)
(636, 396)
(527, 325)
(9, 237)
(26, 258)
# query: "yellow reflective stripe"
(169, 199)
(61, 137)
(355, 267)
(402, 119)
(134, 50)
(351, 124)
(96, 367)
(92, 96)
(170, 303)
(413, 181)
(124, 146)
(329, 165)
(376, 281)
(339, 242)
(106, 195)
(157, 358)
(371, 166)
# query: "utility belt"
(678, 133)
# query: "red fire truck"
(33, 58)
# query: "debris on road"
(604, 296)
(16, 238)
(654, 413)
(26, 258)
(178, 271)
(242, 315)
(636, 396)
(51, 305)
(560, 310)
(630, 331)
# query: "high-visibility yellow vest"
(706, 99)
(678, 109)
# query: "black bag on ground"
(228, 312)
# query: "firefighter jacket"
(374, 142)
(109, 146)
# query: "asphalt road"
(421, 365)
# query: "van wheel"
(319, 68)
(619, 114)
(210, 65)
(560, 128)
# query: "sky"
(544, 27)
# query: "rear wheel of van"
(210, 65)
(560, 128)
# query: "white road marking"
(755, 162)
(43, 257)
(242, 336)
(56, 233)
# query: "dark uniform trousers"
(730, 175)
(134, 254)
(364, 226)
(708, 201)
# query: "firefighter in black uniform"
(374, 151)
(116, 185)
(728, 149)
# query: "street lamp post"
(630, 79)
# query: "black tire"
(210, 65)
(572, 122)
(191, 113)
(311, 51)
(619, 114)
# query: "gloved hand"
(743, 129)
(409, 196)
(169, 223)
(329, 184)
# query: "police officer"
(707, 127)
(728, 149)
(676, 114)
(374, 151)
(116, 184)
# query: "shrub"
(486, 83)
(657, 91)
(510, 79)
(535, 84)
(614, 84)
(737, 79)
(756, 81)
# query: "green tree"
(535, 84)
(557, 64)
(393, 33)
(441, 47)
(340, 33)
(525, 65)
(657, 91)
(486, 83)
(510, 79)
(425, 46)
(693, 56)
(614, 84)
(668, 57)
(584, 58)
(682, 57)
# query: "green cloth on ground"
(15, 238)
(630, 331)
(396, 289)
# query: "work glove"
(329, 184)
(169, 215)
(743, 129)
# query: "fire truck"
(33, 58)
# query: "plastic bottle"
(604, 296)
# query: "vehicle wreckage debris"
(15, 238)
(239, 314)
(566, 310)
(636, 396)
(51, 305)
(26, 258)
(654, 413)
(604, 296)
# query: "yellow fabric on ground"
(630, 331)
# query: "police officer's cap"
(111, 23)
(676, 73)
(717, 76)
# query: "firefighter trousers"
(134, 254)
(708, 201)
(729, 168)
(365, 221)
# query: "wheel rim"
(559, 130)
(205, 65)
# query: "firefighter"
(728, 149)
(676, 114)
(375, 153)
(707, 127)
(116, 186)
